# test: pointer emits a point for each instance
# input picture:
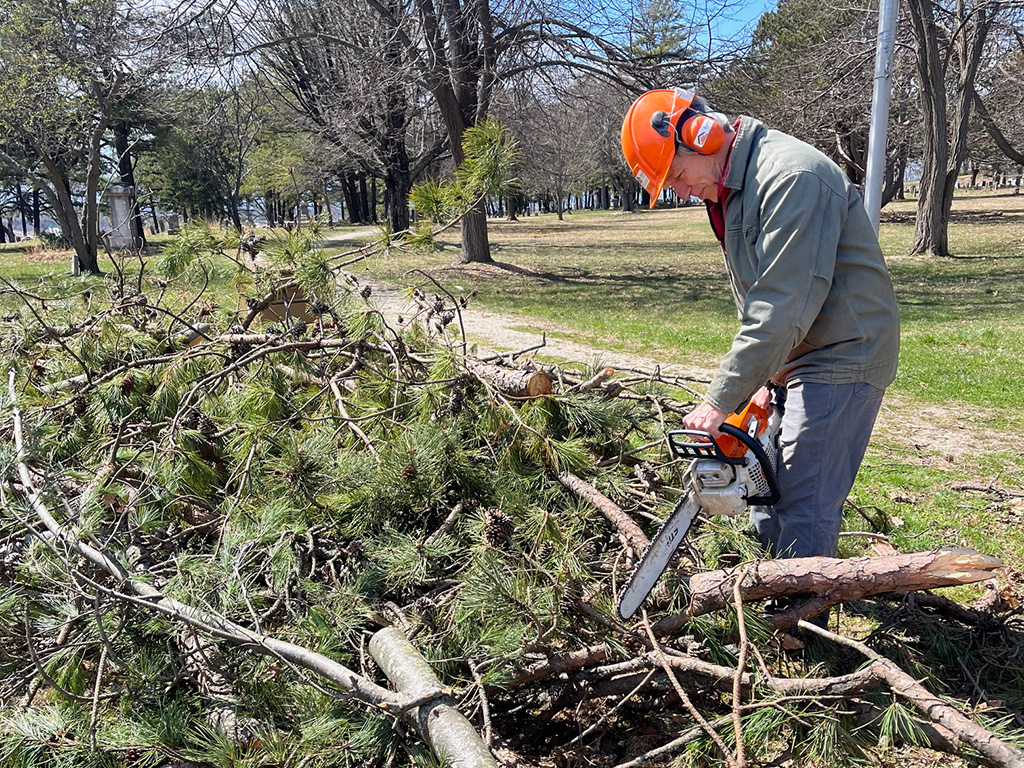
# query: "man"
(817, 312)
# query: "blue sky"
(737, 18)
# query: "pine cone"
(456, 402)
(127, 384)
(299, 329)
(206, 425)
(366, 291)
(545, 550)
(498, 528)
(319, 308)
(355, 550)
(191, 419)
(79, 405)
(11, 556)
(409, 473)
(648, 475)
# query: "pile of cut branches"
(340, 541)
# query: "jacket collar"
(748, 133)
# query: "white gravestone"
(122, 206)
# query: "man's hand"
(763, 399)
(706, 418)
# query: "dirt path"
(497, 333)
(938, 434)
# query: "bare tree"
(64, 69)
(805, 74)
(950, 41)
(999, 91)
(365, 105)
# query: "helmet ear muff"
(701, 134)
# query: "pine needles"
(315, 483)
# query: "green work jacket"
(814, 296)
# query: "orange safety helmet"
(652, 128)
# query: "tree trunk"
(236, 216)
(350, 191)
(364, 200)
(74, 231)
(475, 246)
(930, 229)
(945, 129)
(36, 206)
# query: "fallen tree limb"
(833, 580)
(355, 685)
(612, 512)
(452, 737)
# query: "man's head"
(670, 138)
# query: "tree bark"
(450, 735)
(841, 580)
(612, 512)
(515, 383)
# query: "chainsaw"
(723, 477)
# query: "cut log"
(834, 580)
(452, 737)
(511, 382)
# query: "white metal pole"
(888, 13)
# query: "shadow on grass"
(969, 287)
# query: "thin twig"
(485, 707)
(96, 700)
(737, 681)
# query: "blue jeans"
(825, 432)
